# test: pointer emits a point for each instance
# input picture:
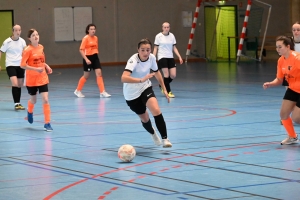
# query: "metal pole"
(265, 32)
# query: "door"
(6, 24)
(220, 23)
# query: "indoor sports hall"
(224, 127)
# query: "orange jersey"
(290, 70)
(89, 45)
(34, 57)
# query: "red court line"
(150, 162)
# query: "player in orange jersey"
(89, 52)
(36, 78)
(288, 67)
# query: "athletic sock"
(47, 113)
(16, 93)
(289, 127)
(30, 106)
(100, 84)
(161, 126)
(81, 83)
(167, 84)
(19, 94)
(148, 126)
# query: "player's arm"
(275, 82)
(159, 78)
(24, 63)
(155, 50)
(48, 68)
(127, 78)
(177, 54)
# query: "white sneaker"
(166, 143)
(104, 94)
(290, 140)
(156, 138)
(78, 94)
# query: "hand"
(266, 85)
(148, 76)
(180, 60)
(49, 70)
(40, 69)
(167, 95)
(88, 62)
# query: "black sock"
(167, 85)
(170, 79)
(16, 93)
(161, 126)
(148, 126)
(19, 94)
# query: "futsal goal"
(228, 30)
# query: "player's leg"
(99, 76)
(32, 91)
(86, 74)
(288, 105)
(137, 106)
(152, 105)
(46, 107)
(15, 90)
(20, 77)
(172, 75)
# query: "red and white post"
(188, 51)
(244, 30)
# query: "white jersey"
(165, 45)
(13, 50)
(297, 47)
(138, 69)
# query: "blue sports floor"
(224, 128)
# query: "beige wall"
(122, 23)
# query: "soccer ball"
(126, 153)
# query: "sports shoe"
(21, 107)
(30, 117)
(47, 127)
(78, 94)
(155, 138)
(171, 95)
(166, 143)
(162, 91)
(104, 94)
(290, 140)
(17, 107)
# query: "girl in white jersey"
(13, 47)
(296, 34)
(164, 45)
(138, 91)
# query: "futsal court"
(225, 130)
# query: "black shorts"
(15, 71)
(166, 63)
(284, 82)
(138, 105)
(95, 63)
(32, 90)
(292, 96)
